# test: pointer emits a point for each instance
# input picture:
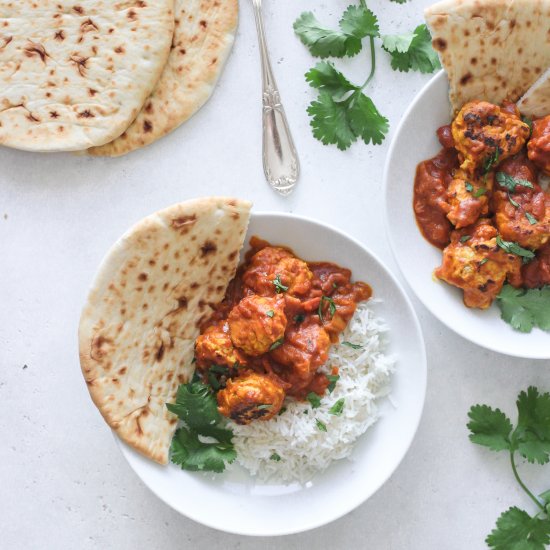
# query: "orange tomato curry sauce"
(273, 331)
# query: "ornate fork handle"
(281, 164)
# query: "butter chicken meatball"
(303, 351)
(536, 273)
(522, 212)
(476, 264)
(274, 270)
(251, 397)
(214, 347)
(468, 199)
(538, 147)
(485, 134)
(256, 323)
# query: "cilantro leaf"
(279, 286)
(514, 248)
(330, 121)
(189, 452)
(350, 345)
(533, 431)
(325, 77)
(332, 378)
(365, 120)
(412, 51)
(337, 408)
(321, 426)
(196, 406)
(510, 183)
(525, 309)
(360, 22)
(489, 427)
(516, 529)
(277, 344)
(530, 218)
(314, 399)
(275, 457)
(323, 42)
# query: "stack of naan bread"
(107, 76)
(495, 50)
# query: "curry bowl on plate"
(257, 493)
(483, 233)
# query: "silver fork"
(280, 160)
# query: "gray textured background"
(64, 483)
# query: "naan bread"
(138, 327)
(74, 74)
(491, 49)
(536, 101)
(204, 35)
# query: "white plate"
(233, 501)
(415, 141)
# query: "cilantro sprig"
(491, 428)
(512, 247)
(196, 406)
(342, 112)
(412, 51)
(525, 309)
(510, 183)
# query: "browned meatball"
(304, 350)
(476, 264)
(484, 134)
(215, 347)
(256, 323)
(522, 214)
(251, 397)
(538, 147)
(274, 270)
(468, 199)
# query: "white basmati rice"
(304, 450)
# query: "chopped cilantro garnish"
(270, 313)
(277, 343)
(331, 307)
(510, 183)
(350, 345)
(465, 238)
(282, 411)
(512, 201)
(220, 369)
(532, 220)
(314, 399)
(275, 457)
(514, 248)
(265, 406)
(213, 381)
(321, 426)
(338, 407)
(529, 122)
(491, 161)
(483, 262)
(332, 378)
(480, 192)
(469, 187)
(279, 287)
(299, 318)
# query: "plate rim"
(423, 365)
(522, 353)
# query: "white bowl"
(415, 141)
(233, 501)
